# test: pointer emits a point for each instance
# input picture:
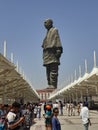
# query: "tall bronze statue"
(52, 50)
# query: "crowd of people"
(21, 116)
(18, 116)
(52, 110)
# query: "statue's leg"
(54, 75)
(48, 74)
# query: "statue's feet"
(51, 87)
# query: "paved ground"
(69, 122)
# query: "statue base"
(51, 87)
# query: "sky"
(22, 26)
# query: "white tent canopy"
(13, 85)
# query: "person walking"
(60, 108)
(55, 121)
(48, 116)
(78, 108)
(84, 114)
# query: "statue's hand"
(58, 53)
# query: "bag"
(46, 116)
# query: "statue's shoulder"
(53, 30)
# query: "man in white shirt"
(84, 114)
(12, 119)
(56, 105)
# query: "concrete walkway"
(69, 122)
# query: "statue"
(52, 50)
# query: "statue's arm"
(59, 51)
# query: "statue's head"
(48, 23)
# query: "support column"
(81, 96)
(76, 97)
(5, 48)
(94, 59)
(87, 93)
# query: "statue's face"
(48, 24)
